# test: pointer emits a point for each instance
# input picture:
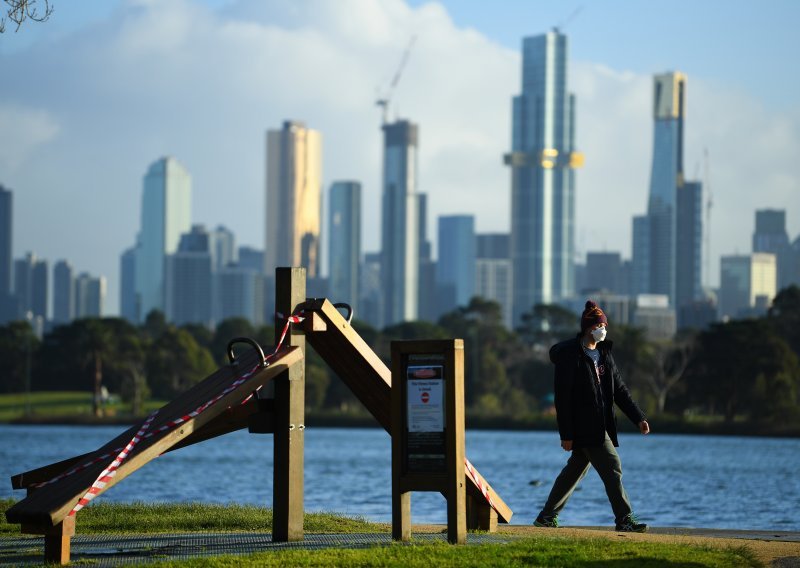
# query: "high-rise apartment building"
(771, 236)
(189, 279)
(63, 293)
(31, 287)
(240, 292)
(455, 266)
(400, 223)
(90, 296)
(7, 309)
(543, 159)
(128, 303)
(166, 215)
(294, 206)
(688, 245)
(604, 272)
(748, 284)
(493, 271)
(344, 241)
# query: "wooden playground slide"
(371, 381)
(176, 424)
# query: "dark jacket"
(582, 415)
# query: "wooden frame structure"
(368, 377)
(428, 431)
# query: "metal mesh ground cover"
(118, 550)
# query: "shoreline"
(326, 420)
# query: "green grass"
(146, 518)
(526, 552)
(63, 404)
(549, 550)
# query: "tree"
(547, 324)
(20, 10)
(228, 329)
(176, 362)
(18, 347)
(744, 367)
(784, 316)
(668, 362)
(489, 350)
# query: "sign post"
(428, 431)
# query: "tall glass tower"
(344, 241)
(666, 178)
(400, 223)
(294, 200)
(6, 260)
(543, 161)
(166, 215)
(455, 269)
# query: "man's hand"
(644, 427)
(567, 445)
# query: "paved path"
(775, 548)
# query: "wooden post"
(287, 496)
(56, 539)
(454, 418)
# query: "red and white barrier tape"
(122, 453)
(483, 487)
(109, 472)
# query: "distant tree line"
(742, 369)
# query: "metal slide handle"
(252, 343)
(349, 308)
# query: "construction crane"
(383, 102)
(560, 27)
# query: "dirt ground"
(780, 550)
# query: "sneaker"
(548, 522)
(631, 524)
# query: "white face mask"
(599, 334)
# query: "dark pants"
(606, 462)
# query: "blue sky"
(90, 98)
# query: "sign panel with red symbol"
(425, 415)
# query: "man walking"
(587, 384)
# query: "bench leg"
(480, 515)
(56, 540)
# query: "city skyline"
(95, 150)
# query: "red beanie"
(592, 315)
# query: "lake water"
(684, 481)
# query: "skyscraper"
(771, 236)
(128, 303)
(667, 241)
(689, 245)
(493, 272)
(400, 223)
(90, 296)
(166, 215)
(542, 161)
(455, 267)
(748, 284)
(63, 292)
(30, 287)
(344, 241)
(666, 176)
(189, 279)
(7, 310)
(294, 206)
